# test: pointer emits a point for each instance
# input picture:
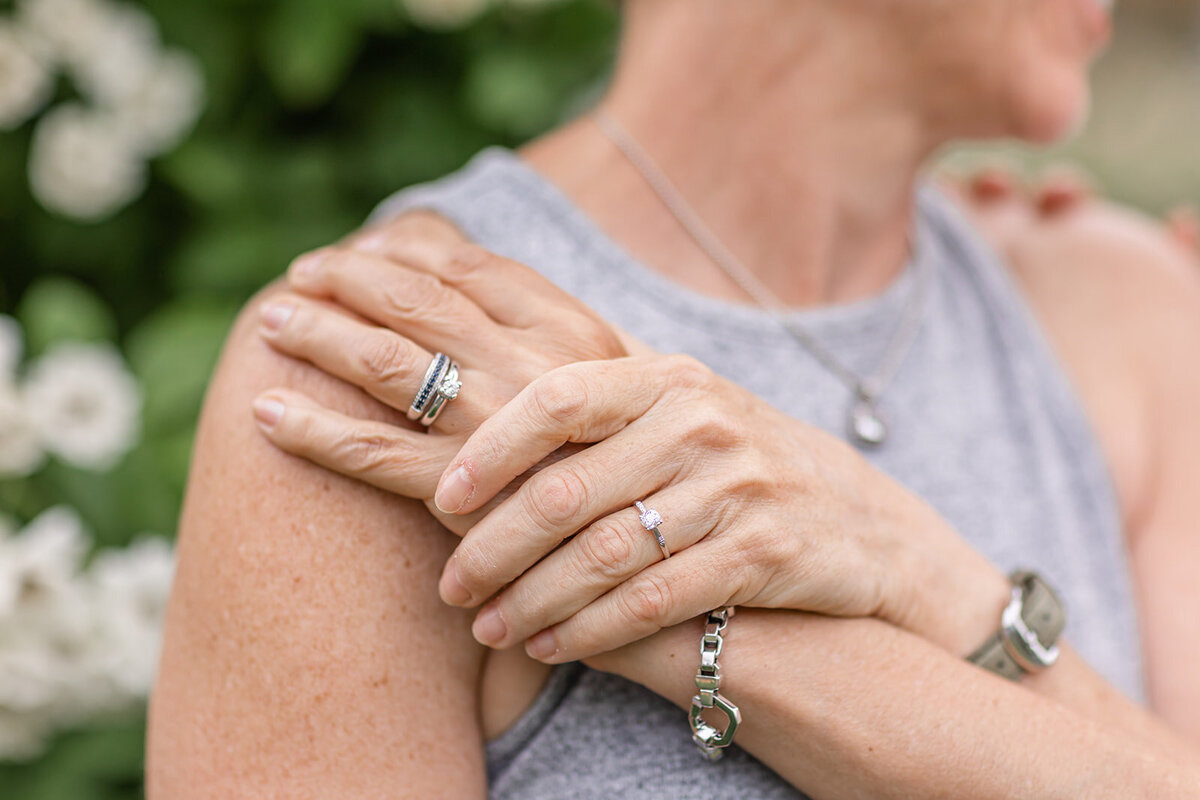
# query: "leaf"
(308, 47)
(57, 309)
(209, 171)
(172, 353)
(511, 90)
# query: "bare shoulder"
(306, 652)
(1119, 300)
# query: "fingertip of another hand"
(450, 586)
(268, 411)
(543, 647)
(306, 267)
(273, 315)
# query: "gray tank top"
(985, 427)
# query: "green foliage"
(56, 309)
(315, 112)
(101, 762)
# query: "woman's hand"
(375, 309)
(759, 510)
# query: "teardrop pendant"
(867, 428)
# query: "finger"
(1060, 189)
(410, 302)
(1184, 225)
(508, 291)
(705, 576)
(386, 365)
(582, 402)
(993, 183)
(394, 459)
(605, 554)
(552, 505)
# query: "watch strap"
(1041, 611)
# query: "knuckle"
(648, 600)
(757, 549)
(362, 453)
(525, 607)
(559, 396)
(710, 427)
(385, 360)
(688, 372)
(583, 336)
(467, 258)
(557, 495)
(417, 294)
(609, 548)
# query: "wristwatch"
(1029, 629)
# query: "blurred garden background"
(160, 160)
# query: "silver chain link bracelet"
(712, 741)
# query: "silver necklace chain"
(865, 425)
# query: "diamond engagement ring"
(447, 389)
(650, 520)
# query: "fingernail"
(454, 491)
(276, 315)
(307, 264)
(542, 646)
(489, 628)
(268, 411)
(451, 588)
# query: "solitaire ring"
(650, 520)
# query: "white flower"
(74, 644)
(120, 56)
(159, 111)
(12, 346)
(84, 404)
(25, 82)
(445, 13)
(64, 30)
(30, 679)
(21, 451)
(39, 563)
(81, 165)
(132, 586)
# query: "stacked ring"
(441, 384)
(447, 389)
(433, 377)
(650, 520)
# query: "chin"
(1053, 110)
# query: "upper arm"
(1120, 302)
(1165, 545)
(306, 651)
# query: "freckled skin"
(305, 620)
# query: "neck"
(803, 167)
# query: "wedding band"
(447, 389)
(433, 377)
(650, 520)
